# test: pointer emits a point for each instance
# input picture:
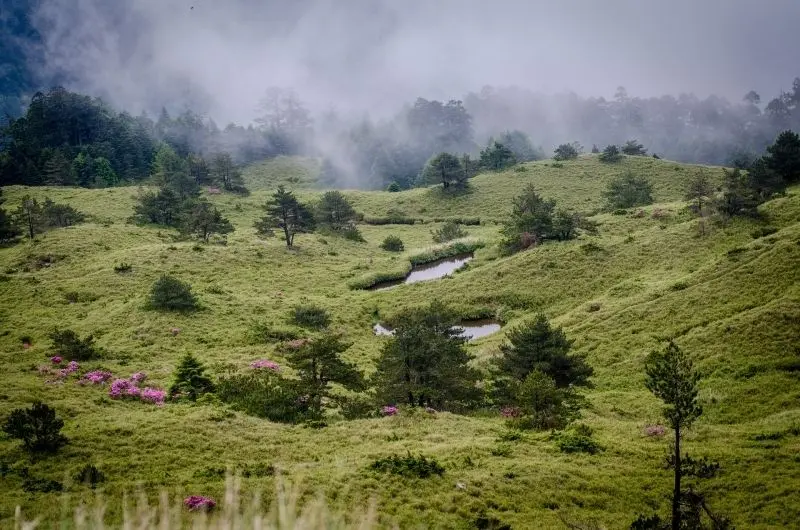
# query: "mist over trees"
(65, 138)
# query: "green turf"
(732, 301)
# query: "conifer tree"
(191, 380)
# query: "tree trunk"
(676, 493)
(30, 224)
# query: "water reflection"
(470, 329)
(429, 271)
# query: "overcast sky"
(370, 54)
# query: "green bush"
(90, 475)
(394, 187)
(468, 221)
(264, 394)
(171, 294)
(191, 380)
(578, 440)
(409, 466)
(38, 427)
(260, 332)
(67, 344)
(352, 233)
(123, 267)
(311, 316)
(390, 220)
(33, 484)
(566, 152)
(763, 231)
(628, 191)
(392, 244)
(448, 232)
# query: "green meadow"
(730, 298)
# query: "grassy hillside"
(731, 300)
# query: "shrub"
(579, 441)
(311, 316)
(454, 249)
(90, 475)
(409, 466)
(390, 220)
(628, 191)
(123, 267)
(171, 294)
(191, 380)
(567, 151)
(38, 427)
(40, 485)
(394, 187)
(265, 394)
(261, 332)
(634, 148)
(352, 233)
(68, 345)
(392, 244)
(610, 154)
(448, 232)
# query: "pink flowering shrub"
(97, 377)
(510, 412)
(56, 359)
(389, 410)
(153, 395)
(129, 389)
(199, 502)
(655, 430)
(265, 363)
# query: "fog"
(372, 55)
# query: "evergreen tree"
(285, 212)
(784, 156)
(171, 171)
(203, 220)
(38, 427)
(81, 170)
(520, 146)
(531, 220)
(670, 376)
(30, 216)
(634, 148)
(191, 380)
(497, 157)
(764, 180)
(628, 191)
(199, 169)
(610, 154)
(536, 346)
(335, 211)
(103, 173)
(60, 215)
(425, 363)
(162, 207)
(738, 198)
(171, 294)
(566, 152)
(57, 168)
(318, 364)
(224, 171)
(444, 168)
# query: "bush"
(67, 344)
(390, 220)
(394, 187)
(40, 485)
(763, 231)
(191, 380)
(468, 221)
(171, 294)
(38, 427)
(578, 441)
(352, 233)
(448, 232)
(123, 267)
(261, 332)
(634, 148)
(90, 475)
(392, 244)
(610, 154)
(566, 152)
(628, 191)
(311, 316)
(264, 394)
(409, 466)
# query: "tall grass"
(233, 513)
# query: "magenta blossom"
(389, 410)
(265, 363)
(73, 366)
(199, 502)
(56, 359)
(121, 388)
(153, 395)
(139, 377)
(510, 412)
(97, 377)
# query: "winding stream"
(429, 271)
(470, 329)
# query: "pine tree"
(38, 427)
(30, 216)
(670, 376)
(191, 380)
(8, 230)
(204, 220)
(227, 174)
(335, 211)
(285, 212)
(425, 363)
(318, 364)
(497, 157)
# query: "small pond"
(470, 329)
(429, 271)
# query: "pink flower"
(139, 377)
(175, 331)
(56, 359)
(153, 395)
(389, 410)
(510, 412)
(97, 377)
(72, 367)
(122, 388)
(265, 363)
(199, 502)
